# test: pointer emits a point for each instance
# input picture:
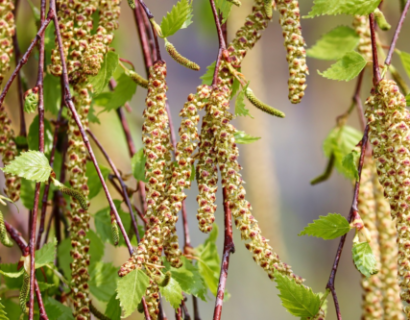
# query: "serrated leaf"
(327, 227)
(100, 81)
(113, 310)
(224, 7)
(243, 138)
(364, 259)
(350, 162)
(94, 183)
(345, 69)
(172, 292)
(103, 280)
(13, 274)
(56, 310)
(298, 299)
(13, 309)
(333, 7)
(31, 165)
(341, 141)
(179, 17)
(130, 290)
(334, 44)
(209, 74)
(240, 107)
(44, 286)
(52, 93)
(92, 117)
(46, 254)
(32, 138)
(3, 313)
(405, 60)
(138, 165)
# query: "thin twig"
(222, 44)
(196, 309)
(376, 69)
(357, 101)
(185, 310)
(353, 211)
(97, 313)
(396, 33)
(157, 51)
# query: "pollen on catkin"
(262, 106)
(172, 51)
(4, 238)
(7, 30)
(389, 135)
(137, 78)
(362, 28)
(295, 48)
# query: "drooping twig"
(396, 33)
(123, 186)
(376, 69)
(353, 211)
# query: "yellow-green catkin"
(392, 304)
(372, 296)
(7, 30)
(362, 28)
(389, 135)
(261, 105)
(24, 291)
(295, 48)
(172, 51)
(137, 78)
(4, 238)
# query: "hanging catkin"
(362, 28)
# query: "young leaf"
(345, 69)
(179, 17)
(224, 7)
(13, 274)
(52, 93)
(240, 107)
(94, 183)
(209, 74)
(108, 66)
(327, 227)
(138, 165)
(333, 7)
(56, 310)
(334, 44)
(3, 313)
(405, 60)
(113, 310)
(32, 138)
(130, 290)
(172, 292)
(243, 138)
(103, 280)
(350, 162)
(46, 254)
(299, 300)
(364, 259)
(32, 165)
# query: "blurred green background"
(277, 168)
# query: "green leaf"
(138, 165)
(405, 60)
(327, 227)
(27, 190)
(3, 313)
(13, 309)
(243, 138)
(52, 93)
(113, 310)
(172, 292)
(122, 93)
(14, 278)
(209, 74)
(101, 80)
(333, 7)
(130, 290)
(350, 163)
(64, 257)
(13, 274)
(345, 69)
(240, 107)
(56, 310)
(224, 7)
(32, 138)
(334, 44)
(46, 254)
(235, 86)
(364, 259)
(96, 247)
(341, 141)
(94, 183)
(298, 299)
(179, 17)
(32, 165)
(92, 117)
(44, 286)
(103, 280)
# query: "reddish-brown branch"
(353, 211)
(396, 33)
(356, 99)
(178, 314)
(157, 52)
(123, 186)
(139, 22)
(196, 309)
(229, 248)
(222, 44)
(185, 310)
(376, 69)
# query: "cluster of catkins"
(389, 135)
(84, 51)
(8, 148)
(362, 28)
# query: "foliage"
(327, 227)
(364, 259)
(346, 68)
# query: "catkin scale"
(5, 240)
(172, 51)
(262, 106)
(24, 291)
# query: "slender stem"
(196, 309)
(376, 69)
(178, 314)
(185, 310)
(157, 51)
(222, 45)
(396, 33)
(139, 22)
(69, 103)
(118, 175)
(353, 211)
(357, 101)
(229, 248)
(125, 127)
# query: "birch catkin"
(7, 30)
(362, 28)
(389, 134)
